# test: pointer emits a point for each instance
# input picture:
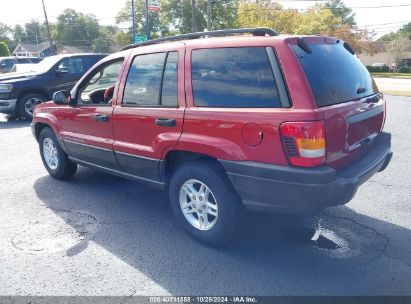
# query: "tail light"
(304, 143)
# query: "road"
(101, 235)
(393, 84)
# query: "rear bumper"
(273, 188)
(8, 106)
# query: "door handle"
(166, 122)
(100, 117)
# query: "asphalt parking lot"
(101, 235)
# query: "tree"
(319, 20)
(4, 50)
(264, 13)
(100, 45)
(75, 28)
(19, 34)
(124, 16)
(341, 11)
(175, 16)
(405, 30)
(360, 40)
(33, 32)
(398, 47)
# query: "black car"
(7, 63)
(21, 92)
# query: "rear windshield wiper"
(361, 90)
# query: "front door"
(88, 126)
(149, 118)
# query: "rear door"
(149, 118)
(352, 106)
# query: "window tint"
(143, 80)
(334, 74)
(8, 63)
(233, 77)
(23, 60)
(73, 65)
(143, 85)
(103, 78)
(169, 89)
(35, 60)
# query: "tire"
(222, 201)
(55, 160)
(27, 103)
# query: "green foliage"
(4, 50)
(341, 11)
(404, 31)
(74, 28)
(378, 69)
(404, 69)
(100, 45)
(175, 16)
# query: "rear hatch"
(345, 93)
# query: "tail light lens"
(304, 143)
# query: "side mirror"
(62, 97)
(61, 71)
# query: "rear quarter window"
(234, 78)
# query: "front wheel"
(54, 158)
(205, 203)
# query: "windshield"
(335, 75)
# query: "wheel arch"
(175, 158)
(39, 91)
(45, 120)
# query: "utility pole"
(208, 15)
(147, 22)
(133, 39)
(48, 29)
(193, 15)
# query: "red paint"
(223, 133)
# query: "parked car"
(228, 124)
(378, 64)
(7, 63)
(395, 67)
(21, 92)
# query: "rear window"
(334, 74)
(234, 78)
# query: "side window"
(152, 80)
(8, 63)
(99, 87)
(170, 82)
(234, 78)
(74, 65)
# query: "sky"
(382, 19)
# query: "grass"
(392, 75)
(397, 93)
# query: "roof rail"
(259, 31)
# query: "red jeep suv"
(226, 122)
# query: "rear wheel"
(54, 158)
(205, 203)
(28, 102)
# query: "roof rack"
(260, 31)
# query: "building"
(33, 50)
(384, 56)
